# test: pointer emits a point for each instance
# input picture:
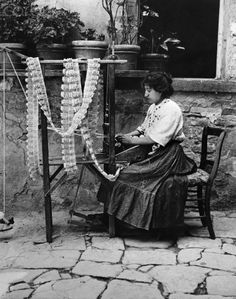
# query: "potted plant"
(123, 31)
(91, 45)
(14, 15)
(50, 30)
(155, 41)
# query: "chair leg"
(112, 229)
(201, 206)
(210, 228)
(208, 213)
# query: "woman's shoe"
(5, 227)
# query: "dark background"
(196, 25)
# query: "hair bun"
(168, 77)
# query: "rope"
(4, 134)
(4, 124)
(16, 75)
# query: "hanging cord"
(7, 224)
(9, 57)
(4, 134)
(4, 124)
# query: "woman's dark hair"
(160, 82)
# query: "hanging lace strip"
(81, 117)
(80, 111)
(71, 102)
(86, 133)
(32, 146)
(75, 107)
(39, 88)
(92, 117)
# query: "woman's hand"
(124, 138)
(128, 139)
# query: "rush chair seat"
(200, 183)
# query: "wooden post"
(111, 109)
(105, 113)
(46, 176)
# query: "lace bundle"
(75, 111)
(75, 106)
(89, 91)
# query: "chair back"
(208, 163)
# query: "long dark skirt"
(151, 194)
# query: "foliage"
(154, 37)
(119, 14)
(14, 16)
(91, 34)
(52, 25)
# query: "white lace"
(74, 110)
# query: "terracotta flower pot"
(88, 49)
(52, 52)
(129, 53)
(154, 62)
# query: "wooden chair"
(201, 182)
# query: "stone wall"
(199, 109)
(21, 191)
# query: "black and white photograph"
(118, 149)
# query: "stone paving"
(84, 263)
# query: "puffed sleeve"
(168, 125)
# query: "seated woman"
(151, 194)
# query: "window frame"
(221, 43)
(222, 81)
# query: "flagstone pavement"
(82, 262)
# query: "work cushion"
(198, 177)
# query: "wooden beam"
(111, 116)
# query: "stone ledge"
(188, 84)
(204, 85)
(179, 84)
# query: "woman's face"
(153, 96)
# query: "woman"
(151, 194)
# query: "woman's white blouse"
(163, 122)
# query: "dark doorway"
(196, 25)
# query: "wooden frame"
(109, 102)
